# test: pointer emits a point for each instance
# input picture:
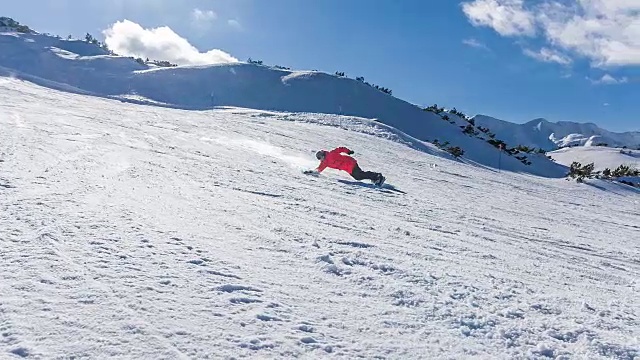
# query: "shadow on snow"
(373, 186)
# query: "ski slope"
(132, 231)
(83, 68)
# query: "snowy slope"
(540, 133)
(83, 68)
(135, 231)
(601, 157)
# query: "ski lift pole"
(499, 157)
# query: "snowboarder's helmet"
(321, 154)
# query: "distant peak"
(483, 116)
(539, 120)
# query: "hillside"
(542, 134)
(8, 24)
(84, 68)
(150, 232)
(602, 157)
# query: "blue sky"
(512, 59)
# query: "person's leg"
(358, 174)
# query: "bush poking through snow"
(497, 143)
(469, 130)
(383, 89)
(256, 62)
(620, 171)
(163, 63)
(625, 170)
(462, 115)
(10, 23)
(90, 39)
(456, 151)
(479, 132)
(435, 109)
(525, 149)
(580, 172)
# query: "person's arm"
(343, 149)
(321, 167)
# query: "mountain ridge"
(544, 134)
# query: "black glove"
(350, 152)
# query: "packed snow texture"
(79, 67)
(145, 232)
(543, 134)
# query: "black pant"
(358, 174)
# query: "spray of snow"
(266, 149)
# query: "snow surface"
(135, 231)
(601, 157)
(542, 134)
(82, 68)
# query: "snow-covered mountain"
(131, 231)
(84, 68)
(163, 231)
(542, 134)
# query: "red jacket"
(335, 160)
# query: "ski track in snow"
(141, 232)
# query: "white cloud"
(548, 55)
(130, 39)
(607, 32)
(234, 24)
(607, 79)
(507, 17)
(203, 16)
(475, 43)
(605, 104)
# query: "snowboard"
(383, 186)
(388, 188)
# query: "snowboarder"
(335, 160)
